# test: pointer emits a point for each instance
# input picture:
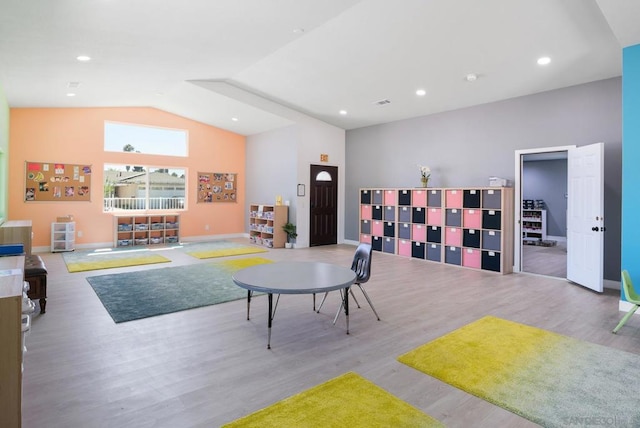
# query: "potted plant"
(290, 230)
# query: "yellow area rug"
(346, 401)
(550, 379)
(82, 261)
(209, 250)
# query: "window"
(138, 187)
(123, 137)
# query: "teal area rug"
(135, 295)
(550, 379)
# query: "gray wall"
(547, 180)
(465, 147)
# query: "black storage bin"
(418, 215)
(404, 230)
(417, 250)
(365, 197)
(434, 234)
(376, 212)
(453, 255)
(376, 243)
(491, 261)
(471, 238)
(404, 197)
(471, 199)
(389, 229)
(491, 219)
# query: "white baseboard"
(557, 238)
(625, 306)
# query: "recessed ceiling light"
(471, 77)
(421, 92)
(298, 30)
(83, 58)
(544, 60)
(235, 119)
(343, 112)
(71, 94)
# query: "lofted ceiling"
(266, 62)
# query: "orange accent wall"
(76, 136)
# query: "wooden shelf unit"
(17, 232)
(145, 229)
(469, 227)
(265, 225)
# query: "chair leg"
(366, 296)
(322, 302)
(625, 318)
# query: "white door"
(585, 216)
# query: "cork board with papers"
(57, 182)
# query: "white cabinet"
(534, 225)
(63, 236)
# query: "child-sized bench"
(35, 273)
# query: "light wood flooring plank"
(208, 366)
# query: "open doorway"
(544, 213)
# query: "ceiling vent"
(73, 84)
(382, 102)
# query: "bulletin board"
(217, 187)
(58, 182)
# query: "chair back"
(362, 263)
(627, 286)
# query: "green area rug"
(550, 379)
(346, 401)
(81, 261)
(135, 295)
(208, 250)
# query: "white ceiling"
(211, 60)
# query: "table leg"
(249, 292)
(346, 306)
(270, 321)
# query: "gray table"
(294, 278)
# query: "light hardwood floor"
(550, 261)
(208, 366)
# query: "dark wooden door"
(323, 200)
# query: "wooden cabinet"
(265, 225)
(469, 227)
(146, 229)
(11, 349)
(534, 225)
(17, 232)
(63, 236)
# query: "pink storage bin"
(472, 219)
(453, 198)
(419, 198)
(453, 236)
(419, 233)
(390, 197)
(365, 239)
(377, 228)
(471, 258)
(434, 216)
(404, 248)
(365, 212)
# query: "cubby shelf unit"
(469, 227)
(145, 229)
(534, 225)
(265, 225)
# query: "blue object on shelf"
(11, 249)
